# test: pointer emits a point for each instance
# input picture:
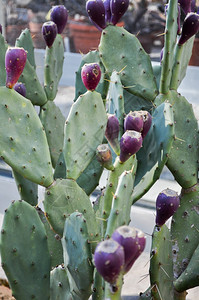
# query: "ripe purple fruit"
(104, 156)
(107, 11)
(20, 88)
(109, 260)
(15, 60)
(96, 12)
(189, 28)
(49, 31)
(167, 203)
(185, 5)
(118, 8)
(112, 132)
(133, 241)
(147, 119)
(91, 74)
(130, 143)
(59, 16)
(133, 121)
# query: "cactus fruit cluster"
(127, 117)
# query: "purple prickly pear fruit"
(167, 203)
(118, 9)
(189, 28)
(104, 156)
(15, 60)
(49, 31)
(112, 132)
(133, 241)
(147, 119)
(109, 260)
(107, 11)
(130, 143)
(20, 88)
(96, 12)
(91, 74)
(59, 16)
(185, 5)
(133, 121)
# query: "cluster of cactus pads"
(127, 117)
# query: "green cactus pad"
(155, 150)
(157, 73)
(132, 102)
(169, 46)
(53, 121)
(63, 198)
(54, 242)
(24, 252)
(59, 284)
(107, 196)
(23, 143)
(181, 60)
(28, 190)
(185, 241)
(189, 278)
(60, 168)
(161, 265)
(84, 131)
(3, 49)
(134, 65)
(54, 59)
(116, 100)
(102, 88)
(25, 41)
(34, 91)
(121, 203)
(184, 154)
(89, 179)
(77, 253)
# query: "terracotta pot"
(84, 36)
(194, 60)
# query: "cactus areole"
(91, 74)
(15, 61)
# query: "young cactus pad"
(82, 135)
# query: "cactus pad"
(25, 41)
(54, 59)
(63, 198)
(28, 190)
(23, 235)
(23, 145)
(154, 153)
(59, 284)
(161, 266)
(134, 66)
(184, 154)
(77, 253)
(185, 241)
(3, 49)
(84, 131)
(53, 122)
